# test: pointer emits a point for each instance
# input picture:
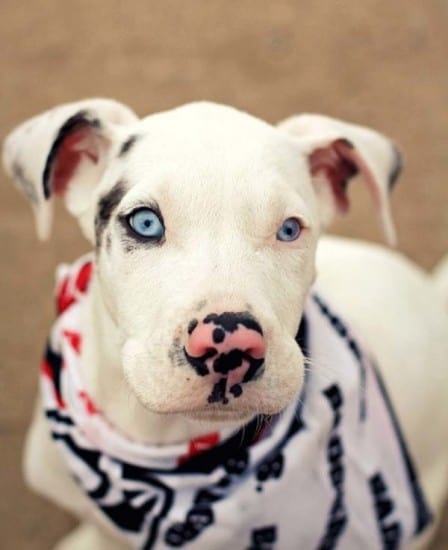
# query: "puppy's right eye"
(146, 223)
(289, 231)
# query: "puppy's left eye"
(290, 230)
(146, 223)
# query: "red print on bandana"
(88, 403)
(70, 286)
(199, 445)
(74, 338)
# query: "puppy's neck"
(106, 384)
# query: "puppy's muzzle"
(229, 347)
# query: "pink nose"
(205, 338)
(224, 343)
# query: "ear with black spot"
(336, 152)
(64, 152)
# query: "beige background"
(378, 62)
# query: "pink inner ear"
(336, 164)
(79, 143)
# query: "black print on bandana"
(352, 345)
(390, 530)
(237, 463)
(201, 515)
(138, 505)
(337, 519)
(270, 469)
(54, 362)
(144, 501)
(181, 533)
(422, 511)
(263, 538)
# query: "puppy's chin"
(167, 388)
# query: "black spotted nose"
(225, 342)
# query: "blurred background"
(376, 62)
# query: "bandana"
(332, 470)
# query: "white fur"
(441, 279)
(224, 182)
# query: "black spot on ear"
(397, 168)
(80, 119)
(128, 247)
(24, 182)
(106, 206)
(347, 143)
(127, 146)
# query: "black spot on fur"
(127, 146)
(218, 335)
(229, 361)
(229, 321)
(198, 363)
(75, 122)
(192, 325)
(218, 394)
(397, 168)
(236, 390)
(106, 206)
(255, 369)
(129, 247)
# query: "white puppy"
(177, 407)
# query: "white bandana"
(332, 471)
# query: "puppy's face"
(205, 222)
(205, 212)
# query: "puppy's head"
(205, 222)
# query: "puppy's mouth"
(224, 378)
(219, 396)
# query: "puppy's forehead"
(209, 121)
(205, 137)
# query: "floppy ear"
(336, 152)
(63, 152)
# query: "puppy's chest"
(331, 470)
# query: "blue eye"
(290, 230)
(146, 223)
